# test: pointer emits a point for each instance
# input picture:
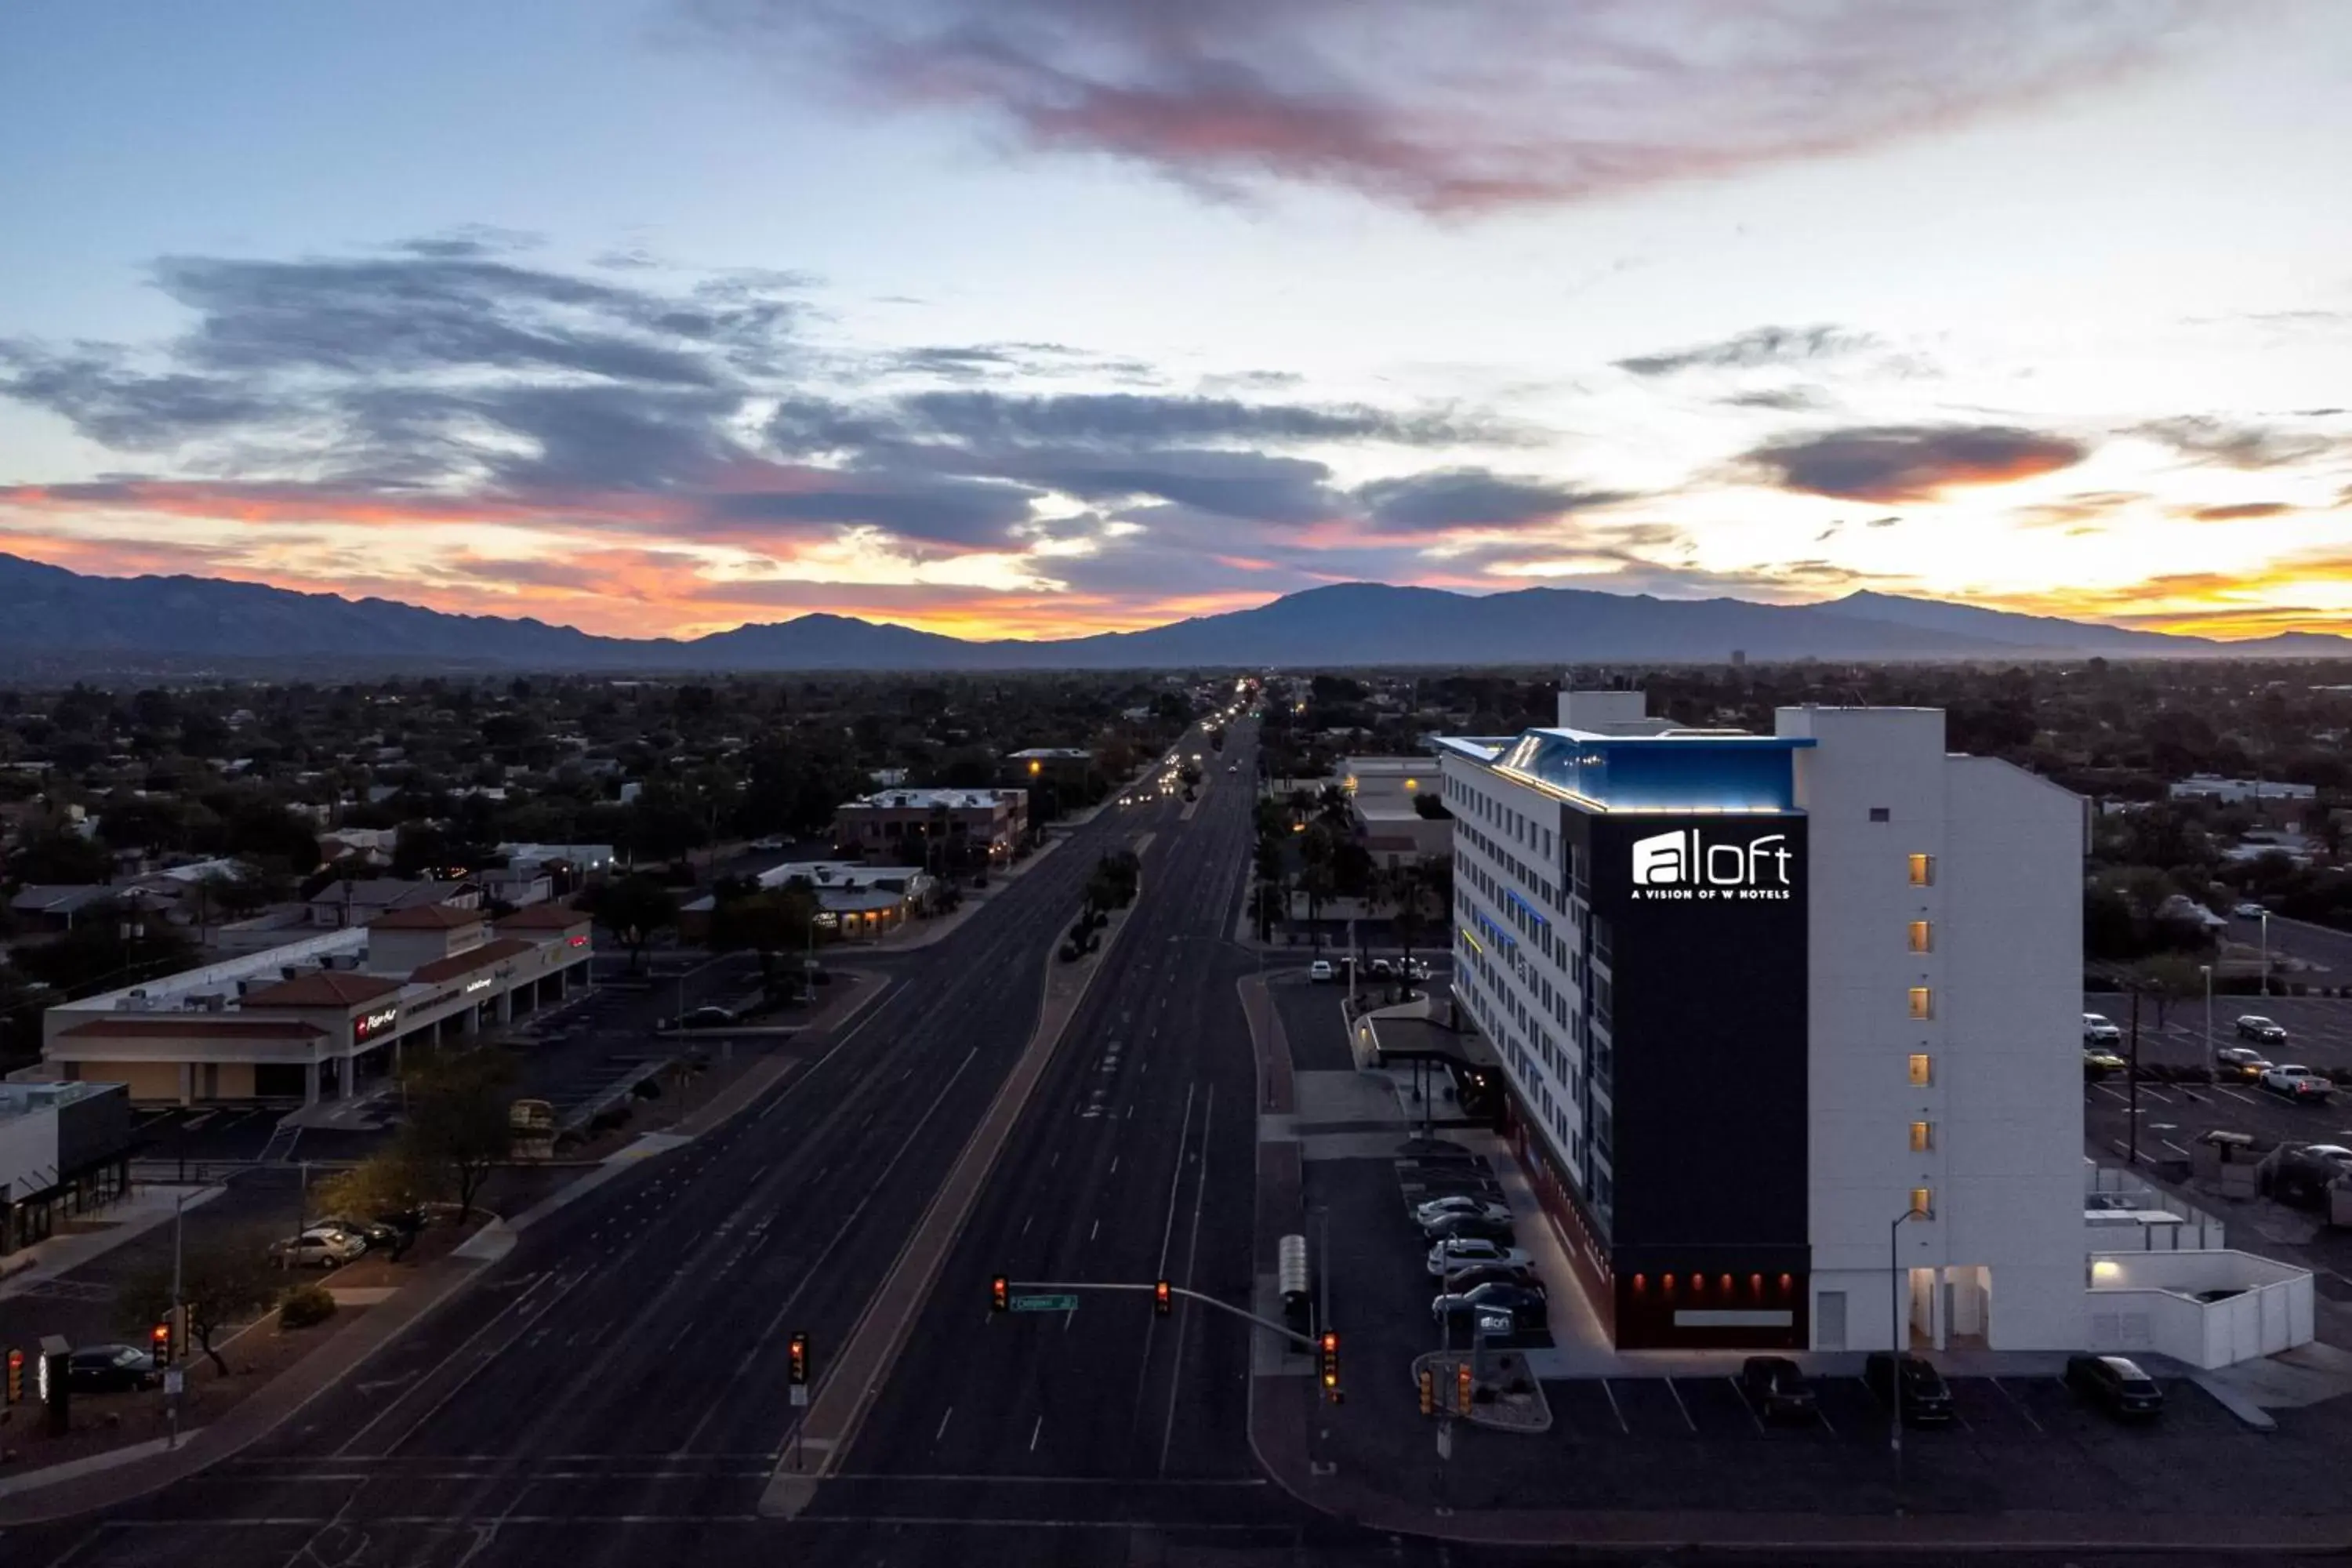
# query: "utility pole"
(2132, 1153)
(2212, 1068)
(2266, 954)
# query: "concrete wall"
(28, 1153)
(2003, 1105)
(2147, 1301)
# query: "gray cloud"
(2233, 446)
(1911, 462)
(1445, 108)
(1751, 350)
(1784, 399)
(1474, 497)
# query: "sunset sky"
(1035, 317)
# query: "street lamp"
(1898, 1338)
(2266, 953)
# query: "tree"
(61, 858)
(458, 1128)
(394, 1179)
(633, 909)
(2169, 977)
(221, 1283)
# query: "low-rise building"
(587, 859)
(854, 901)
(1383, 802)
(65, 1150)
(2241, 792)
(342, 906)
(988, 821)
(318, 1017)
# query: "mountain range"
(58, 619)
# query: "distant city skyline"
(1045, 317)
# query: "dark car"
(1777, 1389)
(111, 1369)
(1927, 1399)
(1524, 1308)
(2117, 1384)
(2263, 1031)
(1468, 1280)
(1460, 1226)
(706, 1017)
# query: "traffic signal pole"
(1305, 1342)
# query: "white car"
(1470, 1252)
(2099, 1029)
(321, 1247)
(1320, 970)
(2250, 912)
(1454, 1204)
(2297, 1082)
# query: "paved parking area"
(2319, 1029)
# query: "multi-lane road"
(615, 1390)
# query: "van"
(1925, 1398)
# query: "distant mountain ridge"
(51, 614)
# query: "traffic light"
(1428, 1390)
(1332, 1365)
(158, 1343)
(1000, 1293)
(1462, 1388)
(799, 1349)
(15, 1376)
(1162, 1302)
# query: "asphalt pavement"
(616, 1391)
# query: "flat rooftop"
(1663, 770)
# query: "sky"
(1033, 317)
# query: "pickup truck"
(2298, 1083)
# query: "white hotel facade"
(1788, 1021)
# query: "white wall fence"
(2155, 1301)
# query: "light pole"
(179, 1318)
(2266, 953)
(1899, 1340)
(2211, 1071)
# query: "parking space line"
(1741, 1394)
(1680, 1405)
(1615, 1409)
(2014, 1399)
(2116, 1095)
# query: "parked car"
(2250, 912)
(1523, 1308)
(1383, 970)
(1414, 969)
(2298, 1083)
(2098, 1062)
(320, 1246)
(372, 1233)
(2302, 1175)
(111, 1369)
(1927, 1399)
(1497, 1274)
(1460, 1202)
(2254, 1026)
(1468, 1227)
(1475, 1252)
(2117, 1383)
(2099, 1029)
(1321, 970)
(2239, 1063)
(1776, 1390)
(707, 1016)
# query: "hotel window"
(1923, 1137)
(1923, 937)
(1923, 871)
(1923, 1069)
(1922, 1200)
(1923, 1003)
(1880, 814)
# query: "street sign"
(174, 1382)
(1446, 1439)
(800, 1394)
(1044, 1303)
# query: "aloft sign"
(1692, 863)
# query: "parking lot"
(2318, 1029)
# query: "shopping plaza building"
(1788, 1021)
(321, 1018)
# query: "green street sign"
(1043, 1304)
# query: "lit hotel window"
(1923, 871)
(1923, 1069)
(1923, 1001)
(1922, 1200)
(1923, 939)
(1923, 1137)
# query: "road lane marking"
(1680, 1405)
(1614, 1408)
(2014, 1399)
(943, 1426)
(1192, 1253)
(1741, 1394)
(1033, 1431)
(467, 1344)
